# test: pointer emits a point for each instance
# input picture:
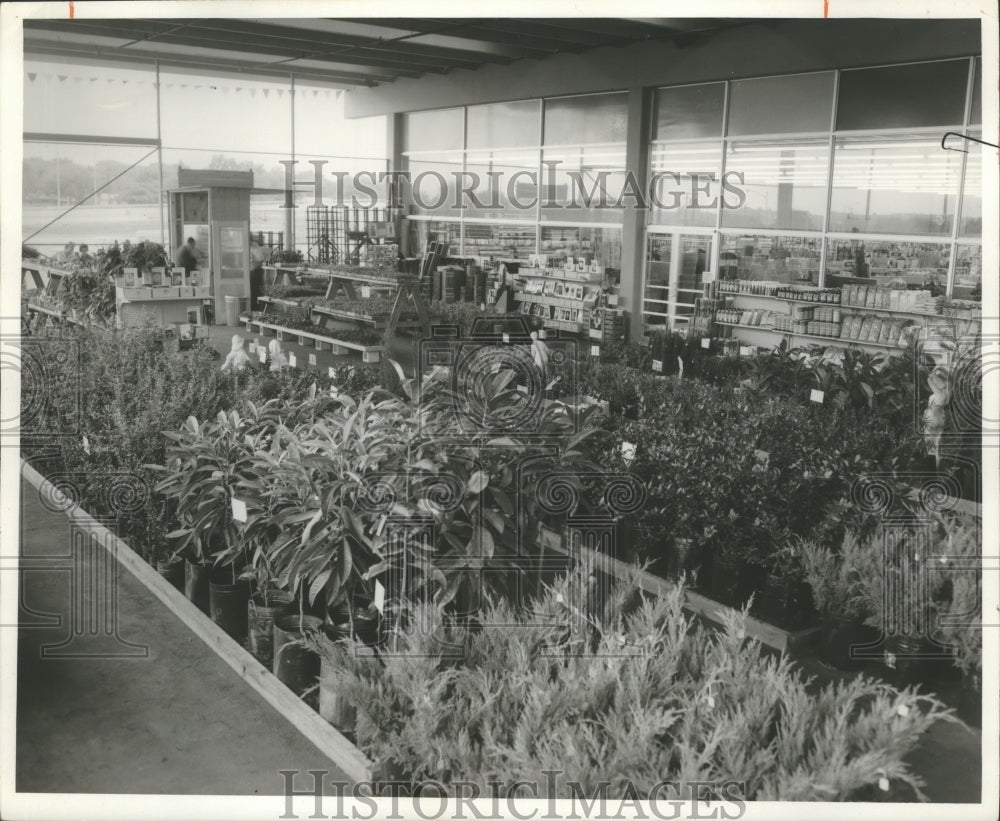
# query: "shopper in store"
(238, 360)
(68, 255)
(187, 257)
(84, 256)
(258, 256)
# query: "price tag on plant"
(331, 372)
(506, 339)
(816, 396)
(745, 350)
(312, 360)
(657, 366)
(293, 361)
(366, 291)
(379, 597)
(595, 350)
(239, 510)
(628, 452)
(706, 342)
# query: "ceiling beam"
(337, 78)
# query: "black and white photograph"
(310, 508)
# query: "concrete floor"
(178, 721)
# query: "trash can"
(235, 305)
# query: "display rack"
(569, 309)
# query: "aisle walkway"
(179, 721)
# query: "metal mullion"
(832, 143)
(960, 197)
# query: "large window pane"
(969, 273)
(794, 260)
(910, 96)
(421, 232)
(505, 183)
(675, 268)
(95, 100)
(600, 245)
(434, 130)
(913, 265)
(894, 185)
(504, 125)
(594, 118)
(322, 129)
(777, 105)
(433, 185)
(685, 184)
(785, 184)
(972, 197)
(223, 114)
(689, 112)
(500, 241)
(583, 183)
(56, 176)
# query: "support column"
(394, 162)
(634, 219)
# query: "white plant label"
(595, 350)
(506, 339)
(706, 343)
(628, 452)
(331, 372)
(658, 366)
(239, 510)
(379, 597)
(261, 354)
(251, 348)
(366, 291)
(745, 350)
(312, 359)
(816, 396)
(293, 361)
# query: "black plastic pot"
(196, 581)
(260, 623)
(228, 603)
(839, 635)
(680, 558)
(173, 571)
(332, 705)
(725, 587)
(296, 667)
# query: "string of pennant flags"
(33, 76)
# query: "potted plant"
(786, 600)
(205, 463)
(836, 582)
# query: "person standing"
(187, 257)
(258, 256)
(67, 256)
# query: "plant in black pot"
(904, 594)
(836, 580)
(206, 463)
(787, 600)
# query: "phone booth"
(213, 208)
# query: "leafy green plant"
(837, 579)
(521, 694)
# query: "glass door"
(675, 269)
(231, 261)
